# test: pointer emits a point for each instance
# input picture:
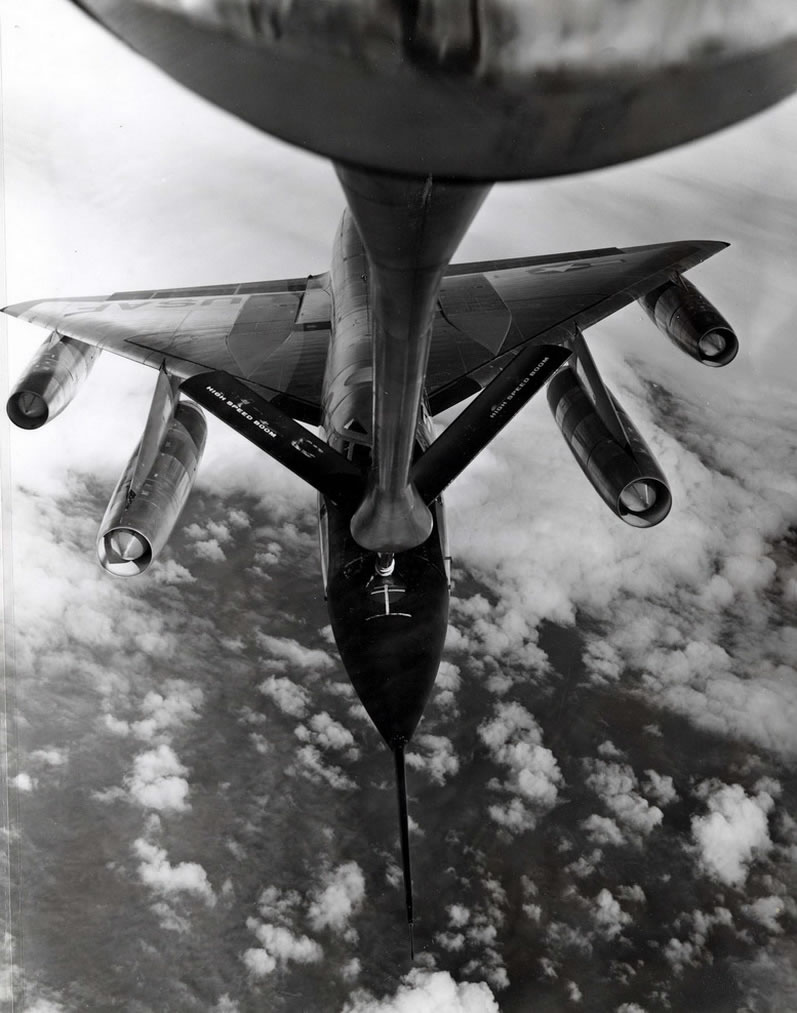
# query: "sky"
(602, 786)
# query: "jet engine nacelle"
(626, 477)
(690, 321)
(142, 513)
(52, 379)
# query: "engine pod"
(690, 321)
(625, 476)
(51, 380)
(139, 521)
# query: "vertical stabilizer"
(404, 834)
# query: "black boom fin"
(404, 834)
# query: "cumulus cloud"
(41, 1005)
(452, 941)
(498, 630)
(602, 830)
(477, 929)
(693, 950)
(309, 762)
(574, 993)
(278, 947)
(617, 785)
(434, 755)
(277, 905)
(429, 992)
(447, 686)
(226, 1005)
(49, 757)
(160, 875)
(212, 529)
(169, 571)
(610, 919)
(209, 550)
(167, 710)
(169, 919)
(329, 906)
(157, 781)
(294, 653)
(290, 698)
(238, 518)
(350, 971)
(766, 911)
(733, 832)
(533, 779)
(659, 787)
(338, 899)
(327, 734)
(633, 893)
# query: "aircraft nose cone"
(390, 633)
(393, 675)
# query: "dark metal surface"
(481, 89)
(404, 837)
(689, 320)
(277, 434)
(612, 467)
(482, 420)
(389, 630)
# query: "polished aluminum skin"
(472, 89)
(53, 377)
(154, 486)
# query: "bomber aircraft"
(394, 333)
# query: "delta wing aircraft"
(369, 352)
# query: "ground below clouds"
(207, 819)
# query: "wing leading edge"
(271, 335)
(274, 336)
(537, 299)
